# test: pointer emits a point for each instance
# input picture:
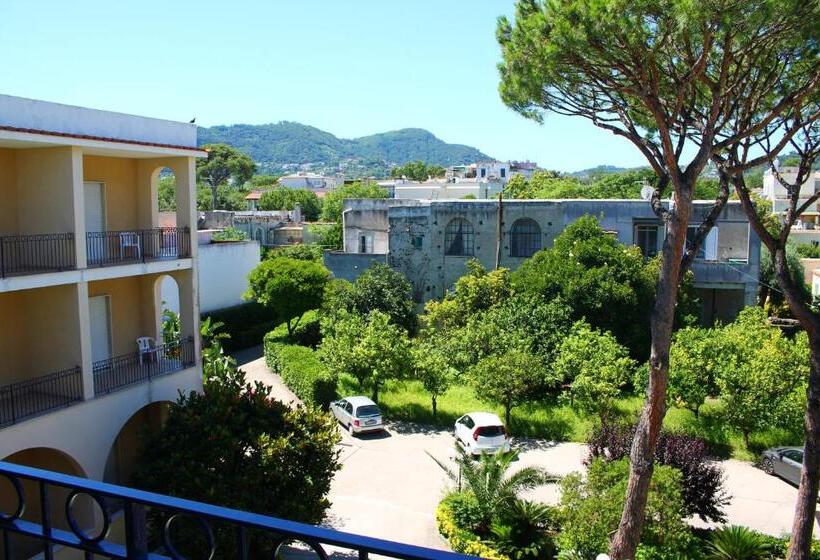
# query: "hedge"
(246, 324)
(301, 371)
(306, 333)
(461, 540)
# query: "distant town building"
(437, 189)
(430, 241)
(492, 170)
(310, 181)
(806, 229)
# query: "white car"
(482, 432)
(358, 414)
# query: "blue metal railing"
(135, 503)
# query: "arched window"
(258, 234)
(458, 238)
(525, 238)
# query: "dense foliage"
(333, 203)
(591, 509)
(235, 446)
(283, 198)
(417, 171)
(245, 324)
(301, 371)
(224, 165)
(379, 288)
(701, 479)
(289, 287)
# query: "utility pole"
(499, 231)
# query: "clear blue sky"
(351, 67)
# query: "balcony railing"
(120, 372)
(33, 397)
(136, 544)
(106, 248)
(34, 254)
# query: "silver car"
(784, 462)
(358, 414)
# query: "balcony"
(36, 254)
(109, 248)
(121, 372)
(33, 397)
(59, 492)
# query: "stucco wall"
(45, 196)
(348, 266)
(132, 310)
(8, 191)
(223, 273)
(121, 194)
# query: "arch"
(270, 238)
(126, 447)
(258, 235)
(459, 238)
(53, 460)
(525, 238)
(168, 309)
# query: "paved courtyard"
(389, 486)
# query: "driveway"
(389, 486)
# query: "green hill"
(285, 146)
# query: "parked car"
(482, 432)
(358, 414)
(784, 462)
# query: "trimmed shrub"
(306, 333)
(301, 371)
(702, 480)
(461, 540)
(246, 324)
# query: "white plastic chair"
(146, 346)
(130, 240)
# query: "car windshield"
(491, 431)
(368, 410)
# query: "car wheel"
(767, 465)
(350, 429)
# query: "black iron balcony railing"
(33, 397)
(134, 543)
(34, 254)
(105, 248)
(119, 372)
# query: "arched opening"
(166, 193)
(257, 235)
(169, 321)
(47, 458)
(525, 238)
(127, 447)
(271, 237)
(459, 238)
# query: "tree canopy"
(283, 198)
(333, 203)
(417, 171)
(224, 164)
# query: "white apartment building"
(441, 189)
(83, 364)
(492, 170)
(774, 191)
(311, 181)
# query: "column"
(78, 199)
(84, 325)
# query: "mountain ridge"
(288, 145)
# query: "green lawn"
(406, 400)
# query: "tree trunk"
(435, 415)
(507, 409)
(213, 197)
(806, 507)
(625, 542)
(375, 392)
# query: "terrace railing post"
(45, 518)
(13, 407)
(142, 244)
(2, 260)
(136, 534)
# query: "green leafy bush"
(306, 333)
(301, 371)
(229, 234)
(591, 508)
(245, 324)
(461, 540)
(737, 543)
(524, 531)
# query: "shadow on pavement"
(412, 428)
(531, 444)
(371, 436)
(248, 354)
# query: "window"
(458, 238)
(525, 238)
(467, 421)
(646, 237)
(365, 243)
(794, 455)
(708, 247)
(503, 172)
(483, 172)
(349, 408)
(417, 240)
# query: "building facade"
(82, 259)
(310, 181)
(431, 241)
(775, 192)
